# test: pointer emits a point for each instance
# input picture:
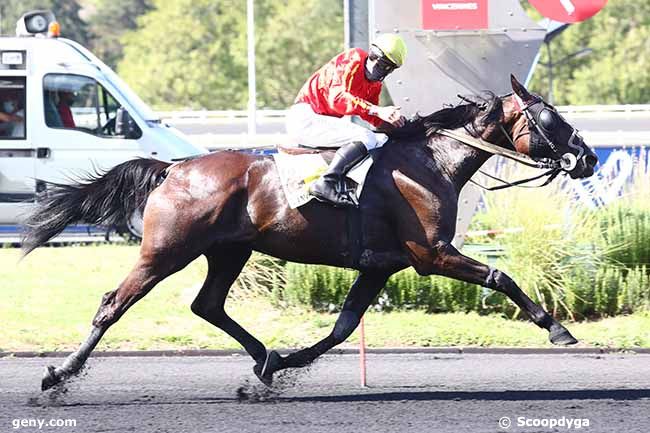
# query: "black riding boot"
(331, 186)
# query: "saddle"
(300, 165)
(296, 186)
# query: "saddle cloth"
(297, 172)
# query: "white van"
(63, 111)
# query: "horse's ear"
(519, 89)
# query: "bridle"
(543, 120)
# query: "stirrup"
(338, 195)
(342, 200)
(345, 200)
(350, 197)
(344, 196)
(347, 192)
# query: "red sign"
(454, 14)
(568, 11)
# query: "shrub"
(635, 293)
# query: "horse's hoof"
(561, 336)
(50, 378)
(264, 372)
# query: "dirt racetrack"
(413, 392)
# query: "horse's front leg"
(443, 259)
(365, 288)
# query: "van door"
(17, 184)
(79, 129)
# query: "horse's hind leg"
(149, 270)
(224, 266)
(448, 262)
(365, 288)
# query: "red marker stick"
(362, 353)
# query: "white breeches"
(315, 130)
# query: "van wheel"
(134, 225)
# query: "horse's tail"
(107, 198)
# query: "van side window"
(70, 101)
(78, 102)
(12, 108)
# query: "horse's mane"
(487, 108)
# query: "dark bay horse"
(226, 204)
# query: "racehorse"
(226, 204)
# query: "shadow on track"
(271, 397)
(583, 394)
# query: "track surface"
(414, 393)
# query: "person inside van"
(52, 117)
(66, 99)
(12, 115)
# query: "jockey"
(349, 84)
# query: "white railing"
(238, 141)
(198, 116)
(599, 110)
(210, 116)
(213, 140)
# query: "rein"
(478, 143)
(481, 144)
(552, 174)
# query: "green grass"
(50, 298)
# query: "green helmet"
(393, 47)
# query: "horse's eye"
(547, 119)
